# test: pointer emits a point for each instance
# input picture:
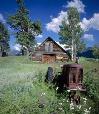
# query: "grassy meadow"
(23, 91)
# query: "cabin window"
(48, 47)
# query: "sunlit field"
(23, 91)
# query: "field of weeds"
(23, 91)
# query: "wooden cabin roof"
(50, 39)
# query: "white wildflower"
(63, 100)
(68, 90)
(56, 88)
(67, 101)
(85, 99)
(60, 108)
(85, 102)
(42, 94)
(89, 108)
(71, 105)
(60, 103)
(79, 106)
(86, 111)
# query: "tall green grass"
(23, 91)
(22, 87)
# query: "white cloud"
(78, 4)
(88, 37)
(39, 36)
(55, 22)
(64, 46)
(38, 43)
(17, 47)
(2, 18)
(85, 24)
(93, 22)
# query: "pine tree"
(4, 39)
(25, 29)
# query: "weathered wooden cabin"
(49, 51)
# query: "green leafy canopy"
(70, 29)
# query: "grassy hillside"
(22, 90)
(14, 69)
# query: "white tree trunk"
(75, 52)
(72, 50)
(27, 51)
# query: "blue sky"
(51, 13)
